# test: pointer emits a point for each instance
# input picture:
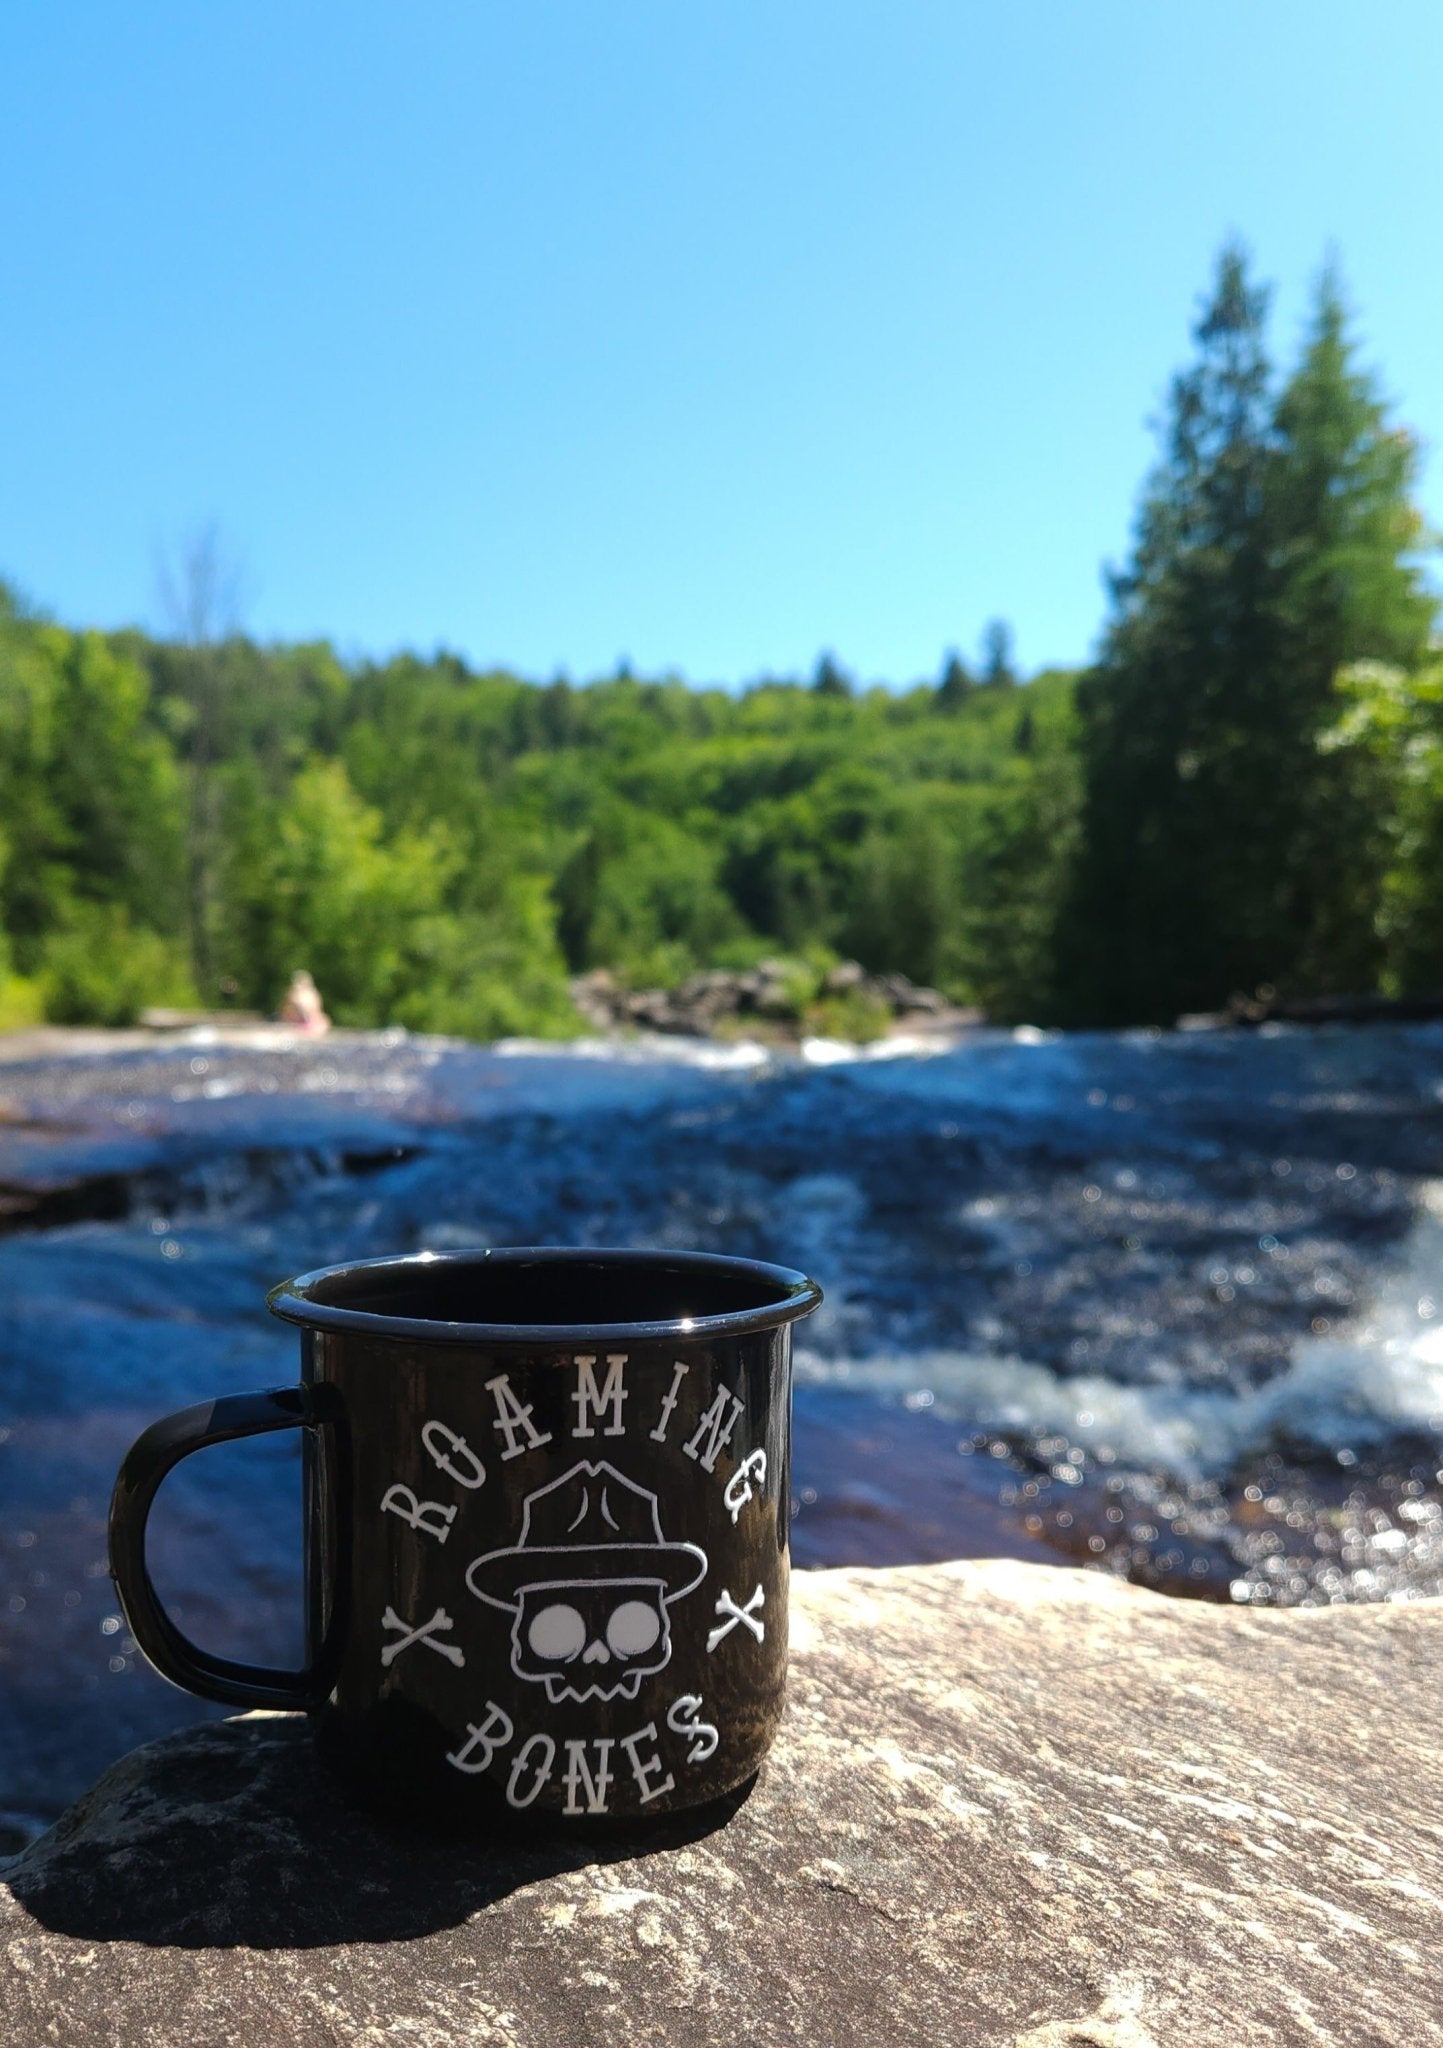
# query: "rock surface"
(1011, 1805)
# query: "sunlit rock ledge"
(1012, 1804)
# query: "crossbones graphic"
(439, 1624)
(747, 1615)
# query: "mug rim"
(797, 1295)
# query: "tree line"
(1245, 788)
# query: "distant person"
(302, 1007)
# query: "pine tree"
(954, 685)
(828, 680)
(1176, 898)
(1346, 538)
(1225, 844)
(997, 669)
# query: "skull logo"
(589, 1582)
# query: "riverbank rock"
(1011, 1804)
(773, 998)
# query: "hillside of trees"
(1246, 788)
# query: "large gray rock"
(1012, 1804)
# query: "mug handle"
(145, 1464)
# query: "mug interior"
(508, 1292)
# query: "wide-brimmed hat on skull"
(591, 1523)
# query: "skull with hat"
(589, 1581)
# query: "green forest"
(1244, 790)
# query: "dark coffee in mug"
(546, 1524)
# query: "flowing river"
(1170, 1305)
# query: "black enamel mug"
(546, 1516)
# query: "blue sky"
(703, 336)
